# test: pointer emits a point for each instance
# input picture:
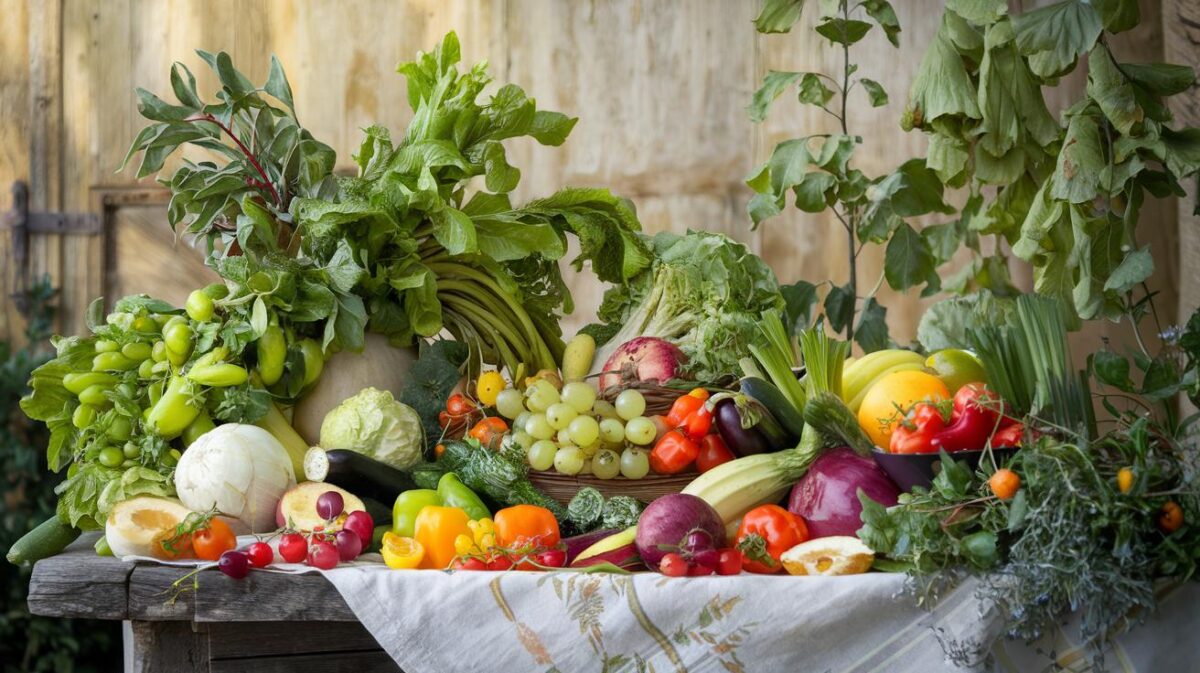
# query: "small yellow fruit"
(1125, 479)
(488, 388)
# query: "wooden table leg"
(167, 647)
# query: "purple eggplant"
(746, 426)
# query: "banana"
(864, 372)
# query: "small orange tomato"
(1004, 483)
(214, 539)
(490, 431)
(1170, 518)
(1125, 479)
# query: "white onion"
(242, 470)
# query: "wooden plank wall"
(661, 89)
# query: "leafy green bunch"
(1066, 196)
(817, 172)
(438, 253)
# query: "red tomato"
(260, 554)
(293, 547)
(469, 563)
(713, 452)
(459, 405)
(698, 423)
(499, 562)
(673, 453)
(765, 533)
(683, 407)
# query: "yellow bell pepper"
(436, 529)
(401, 553)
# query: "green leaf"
(1134, 269)
(1011, 99)
(942, 86)
(874, 91)
(500, 177)
(1162, 378)
(1112, 91)
(1076, 176)
(778, 16)
(1018, 509)
(813, 91)
(774, 84)
(839, 307)
(812, 192)
(505, 240)
(979, 548)
(799, 298)
(947, 156)
(277, 85)
(1118, 15)
(1112, 369)
(885, 16)
(551, 128)
(1161, 79)
(788, 164)
(953, 482)
(454, 230)
(185, 91)
(843, 31)
(1182, 151)
(872, 330)
(1053, 37)
(908, 261)
(982, 12)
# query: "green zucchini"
(774, 400)
(49, 538)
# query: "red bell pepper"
(673, 453)
(766, 532)
(915, 434)
(974, 418)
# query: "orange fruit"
(889, 398)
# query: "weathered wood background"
(660, 86)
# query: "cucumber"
(773, 399)
(49, 538)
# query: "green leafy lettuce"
(704, 292)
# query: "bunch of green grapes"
(573, 432)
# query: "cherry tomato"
(713, 452)
(212, 541)
(673, 565)
(293, 547)
(700, 570)
(673, 453)
(490, 431)
(729, 562)
(698, 423)
(553, 558)
(1013, 435)
(260, 554)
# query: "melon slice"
(137, 527)
(298, 506)
(834, 555)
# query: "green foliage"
(34, 644)
(1066, 197)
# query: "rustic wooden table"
(266, 622)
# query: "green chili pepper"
(314, 360)
(111, 456)
(408, 505)
(106, 346)
(77, 382)
(137, 350)
(272, 353)
(199, 306)
(219, 375)
(159, 352)
(131, 450)
(212, 357)
(161, 367)
(112, 361)
(94, 395)
(146, 369)
(198, 427)
(155, 391)
(456, 494)
(83, 416)
(175, 410)
(178, 337)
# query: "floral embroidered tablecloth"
(572, 622)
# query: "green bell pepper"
(408, 505)
(456, 494)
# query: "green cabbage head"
(376, 425)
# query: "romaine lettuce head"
(376, 425)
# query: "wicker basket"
(563, 487)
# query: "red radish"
(643, 359)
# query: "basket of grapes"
(574, 438)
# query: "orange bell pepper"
(526, 525)
(435, 530)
